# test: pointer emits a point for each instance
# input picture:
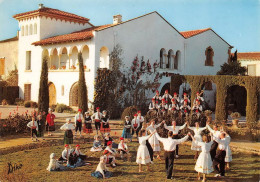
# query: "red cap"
(157, 91)
(79, 110)
(109, 143)
(153, 99)
(175, 93)
(77, 145)
(106, 152)
(163, 100)
(135, 115)
(138, 111)
(97, 108)
(185, 100)
(197, 110)
(66, 145)
(197, 100)
(185, 93)
(197, 92)
(166, 91)
(121, 138)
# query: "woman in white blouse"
(197, 135)
(68, 135)
(102, 170)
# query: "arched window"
(31, 29)
(26, 30)
(22, 31)
(177, 60)
(209, 56)
(162, 58)
(62, 90)
(104, 57)
(170, 59)
(35, 28)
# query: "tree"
(233, 67)
(43, 98)
(82, 90)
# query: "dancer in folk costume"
(87, 122)
(173, 107)
(176, 98)
(143, 156)
(97, 146)
(34, 128)
(215, 132)
(167, 97)
(123, 148)
(65, 154)
(97, 118)
(78, 122)
(135, 125)
(68, 135)
(157, 97)
(197, 108)
(50, 125)
(219, 160)
(175, 131)
(102, 170)
(228, 157)
(185, 108)
(54, 165)
(127, 129)
(197, 135)
(79, 153)
(104, 123)
(198, 97)
(110, 154)
(169, 146)
(107, 139)
(140, 119)
(40, 129)
(204, 163)
(185, 97)
(163, 107)
(154, 142)
(153, 106)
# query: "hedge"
(223, 82)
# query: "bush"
(53, 107)
(235, 115)
(19, 102)
(63, 108)
(5, 102)
(129, 111)
(31, 104)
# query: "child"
(78, 122)
(34, 128)
(68, 135)
(109, 158)
(140, 119)
(107, 139)
(228, 157)
(102, 170)
(127, 129)
(204, 163)
(197, 135)
(87, 121)
(143, 156)
(97, 147)
(97, 118)
(104, 123)
(122, 148)
(79, 153)
(112, 152)
(135, 125)
(65, 154)
(50, 126)
(39, 123)
(54, 165)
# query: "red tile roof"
(248, 56)
(74, 36)
(191, 33)
(52, 13)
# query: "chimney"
(117, 19)
(41, 6)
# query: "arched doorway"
(74, 94)
(52, 94)
(165, 87)
(236, 99)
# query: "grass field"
(243, 167)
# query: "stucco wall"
(254, 62)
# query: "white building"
(61, 35)
(251, 60)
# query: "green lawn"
(244, 167)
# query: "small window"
(26, 30)
(62, 90)
(177, 60)
(35, 28)
(31, 29)
(28, 60)
(2, 66)
(162, 58)
(22, 31)
(209, 56)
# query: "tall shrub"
(43, 98)
(82, 91)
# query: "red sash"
(97, 120)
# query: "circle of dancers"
(211, 151)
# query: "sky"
(236, 21)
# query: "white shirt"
(222, 143)
(177, 99)
(32, 124)
(197, 107)
(215, 133)
(65, 154)
(175, 129)
(197, 131)
(78, 117)
(120, 146)
(78, 152)
(151, 128)
(199, 98)
(172, 106)
(127, 124)
(140, 119)
(182, 100)
(169, 144)
(166, 96)
(102, 167)
(135, 121)
(187, 107)
(111, 150)
(163, 106)
(67, 126)
(96, 115)
(153, 106)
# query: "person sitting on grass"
(123, 149)
(54, 165)
(79, 153)
(97, 147)
(102, 170)
(109, 158)
(34, 128)
(65, 154)
(74, 160)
